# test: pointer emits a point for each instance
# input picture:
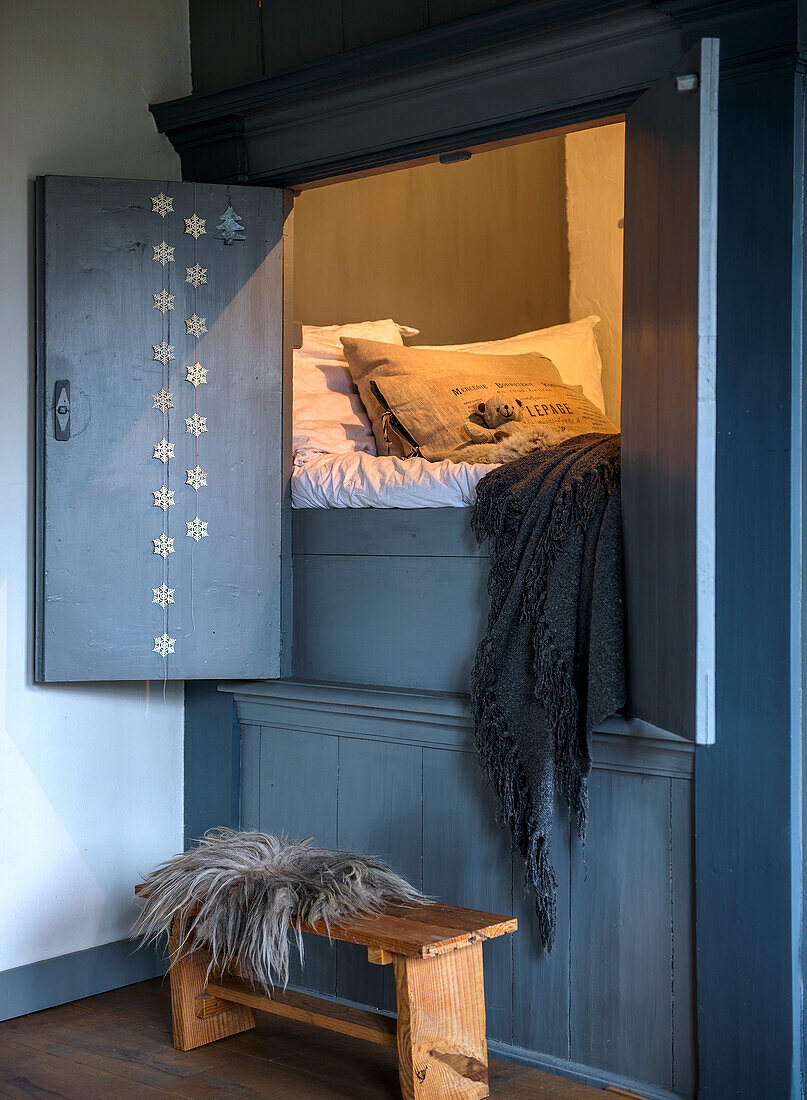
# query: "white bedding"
(360, 480)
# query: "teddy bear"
(495, 414)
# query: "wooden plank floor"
(118, 1045)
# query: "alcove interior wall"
(513, 239)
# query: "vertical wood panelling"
(251, 741)
(225, 42)
(293, 33)
(438, 605)
(617, 991)
(364, 23)
(682, 920)
(541, 980)
(379, 812)
(496, 220)
(299, 783)
(443, 11)
(466, 861)
(621, 917)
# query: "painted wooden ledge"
(436, 953)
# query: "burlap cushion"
(421, 399)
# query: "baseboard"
(81, 974)
(575, 1071)
(560, 1067)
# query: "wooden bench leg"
(187, 984)
(442, 1050)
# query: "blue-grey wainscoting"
(393, 771)
(79, 974)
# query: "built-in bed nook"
(292, 519)
(502, 251)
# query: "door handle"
(61, 409)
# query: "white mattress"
(360, 480)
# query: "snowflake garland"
(163, 451)
(196, 424)
(163, 401)
(197, 375)
(163, 644)
(195, 326)
(163, 546)
(163, 497)
(162, 204)
(163, 253)
(195, 226)
(163, 595)
(196, 478)
(163, 352)
(197, 529)
(196, 275)
(163, 301)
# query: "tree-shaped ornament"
(230, 228)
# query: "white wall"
(90, 775)
(595, 206)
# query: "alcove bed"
(507, 250)
(346, 634)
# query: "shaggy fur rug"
(244, 891)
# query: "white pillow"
(571, 347)
(329, 417)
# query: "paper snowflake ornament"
(197, 529)
(163, 595)
(163, 253)
(163, 301)
(164, 645)
(195, 326)
(162, 204)
(195, 226)
(163, 352)
(163, 450)
(163, 498)
(197, 375)
(163, 546)
(163, 401)
(196, 424)
(196, 275)
(196, 478)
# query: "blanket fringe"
(497, 516)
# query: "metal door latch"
(61, 410)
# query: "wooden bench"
(436, 953)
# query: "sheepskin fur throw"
(243, 891)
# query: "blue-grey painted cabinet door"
(159, 377)
(668, 397)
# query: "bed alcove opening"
(510, 240)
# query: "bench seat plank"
(422, 931)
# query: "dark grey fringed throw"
(551, 664)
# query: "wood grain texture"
(480, 223)
(119, 1044)
(442, 1050)
(459, 815)
(283, 761)
(370, 1026)
(621, 946)
(384, 818)
(188, 977)
(534, 999)
(668, 407)
(96, 514)
(437, 606)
